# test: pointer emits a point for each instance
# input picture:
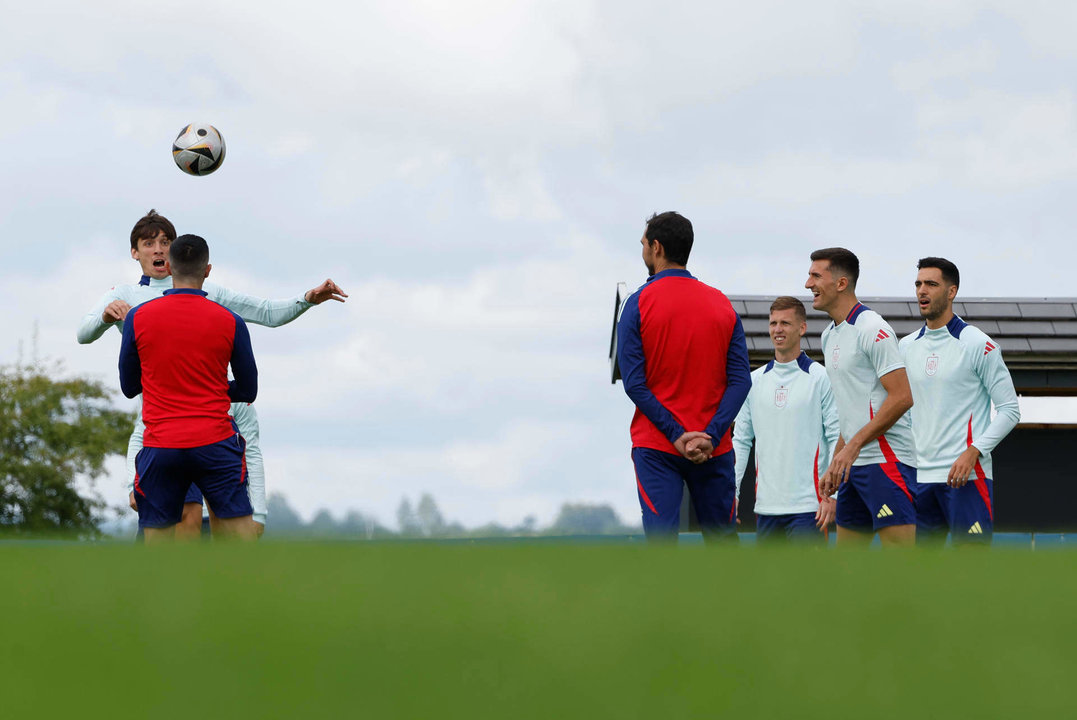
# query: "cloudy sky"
(476, 175)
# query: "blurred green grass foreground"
(427, 630)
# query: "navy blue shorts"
(967, 511)
(194, 495)
(163, 475)
(660, 481)
(877, 496)
(799, 527)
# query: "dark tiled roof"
(1038, 336)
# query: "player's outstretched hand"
(825, 514)
(962, 467)
(115, 311)
(694, 446)
(131, 501)
(328, 290)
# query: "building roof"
(1038, 336)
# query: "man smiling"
(956, 373)
(874, 461)
(790, 413)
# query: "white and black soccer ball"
(198, 149)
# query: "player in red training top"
(684, 362)
(176, 350)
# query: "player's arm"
(832, 438)
(245, 386)
(831, 426)
(130, 364)
(738, 383)
(897, 403)
(634, 374)
(274, 313)
(995, 377)
(743, 435)
(109, 310)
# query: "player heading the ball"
(150, 239)
(176, 350)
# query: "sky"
(476, 175)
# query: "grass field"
(533, 631)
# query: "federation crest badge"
(932, 364)
(781, 397)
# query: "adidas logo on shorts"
(884, 512)
(976, 529)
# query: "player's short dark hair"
(149, 226)
(787, 302)
(842, 262)
(674, 231)
(188, 255)
(950, 272)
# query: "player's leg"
(971, 513)
(712, 488)
(660, 487)
(769, 529)
(800, 528)
(890, 495)
(223, 481)
(247, 422)
(852, 514)
(931, 514)
(134, 445)
(159, 492)
(190, 525)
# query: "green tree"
(407, 519)
(431, 523)
(585, 519)
(52, 431)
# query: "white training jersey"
(858, 352)
(791, 415)
(270, 313)
(956, 372)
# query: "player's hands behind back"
(695, 446)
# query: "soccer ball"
(198, 149)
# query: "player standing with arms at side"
(790, 413)
(176, 351)
(956, 372)
(684, 362)
(874, 461)
(150, 239)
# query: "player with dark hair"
(874, 460)
(791, 415)
(150, 240)
(176, 351)
(684, 362)
(956, 373)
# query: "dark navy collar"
(185, 291)
(145, 280)
(671, 272)
(802, 360)
(855, 313)
(954, 327)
